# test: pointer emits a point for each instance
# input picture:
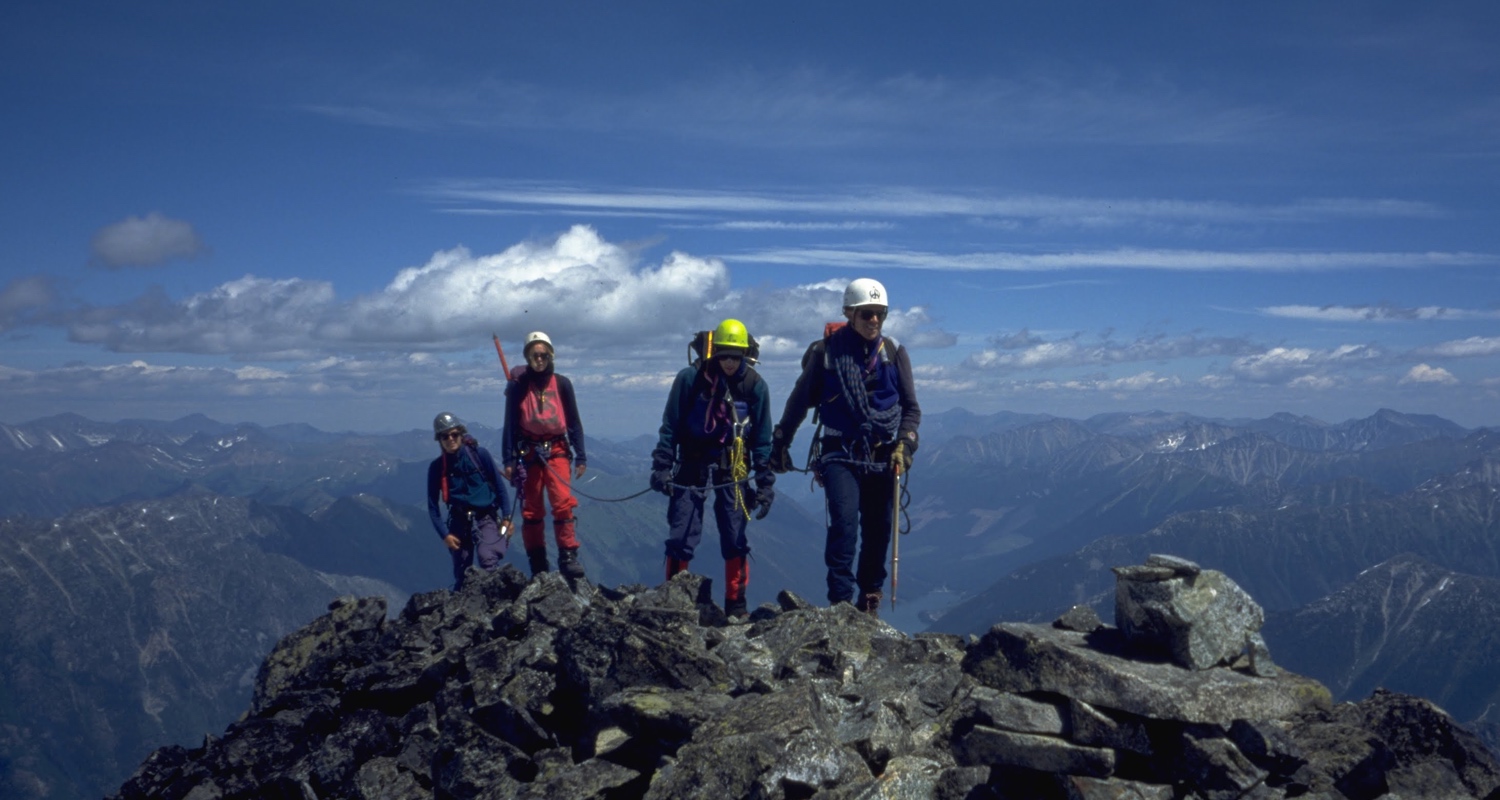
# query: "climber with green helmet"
(716, 431)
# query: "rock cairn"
(540, 689)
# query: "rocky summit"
(517, 688)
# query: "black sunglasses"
(451, 435)
(868, 314)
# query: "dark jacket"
(693, 393)
(467, 482)
(515, 391)
(890, 381)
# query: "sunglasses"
(451, 436)
(728, 356)
(871, 314)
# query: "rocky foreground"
(540, 689)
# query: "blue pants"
(479, 536)
(859, 512)
(685, 512)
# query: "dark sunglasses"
(868, 314)
(451, 435)
(728, 356)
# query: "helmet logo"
(874, 294)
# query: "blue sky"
(320, 211)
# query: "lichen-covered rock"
(1018, 657)
(536, 689)
(1199, 618)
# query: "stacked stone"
(516, 688)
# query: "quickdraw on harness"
(739, 464)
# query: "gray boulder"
(1198, 618)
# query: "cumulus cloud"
(1423, 373)
(576, 286)
(1379, 313)
(24, 299)
(1022, 351)
(147, 241)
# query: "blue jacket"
(466, 481)
(889, 382)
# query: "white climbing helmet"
(533, 338)
(865, 292)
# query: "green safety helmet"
(731, 333)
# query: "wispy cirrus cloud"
(812, 107)
(1472, 347)
(1279, 364)
(899, 202)
(1378, 313)
(1024, 351)
(1117, 258)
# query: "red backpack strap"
(445, 477)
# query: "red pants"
(554, 476)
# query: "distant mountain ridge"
(1034, 507)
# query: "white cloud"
(1423, 373)
(145, 242)
(1022, 351)
(1473, 346)
(1314, 382)
(897, 202)
(577, 287)
(1382, 313)
(24, 299)
(1117, 258)
(1285, 363)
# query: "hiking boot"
(568, 563)
(869, 603)
(736, 610)
(538, 559)
(736, 581)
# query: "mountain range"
(1016, 516)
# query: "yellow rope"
(740, 470)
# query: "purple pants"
(479, 536)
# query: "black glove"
(661, 480)
(781, 458)
(764, 496)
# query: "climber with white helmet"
(860, 382)
(543, 450)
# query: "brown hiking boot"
(869, 603)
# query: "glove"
(661, 480)
(781, 459)
(901, 458)
(764, 496)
